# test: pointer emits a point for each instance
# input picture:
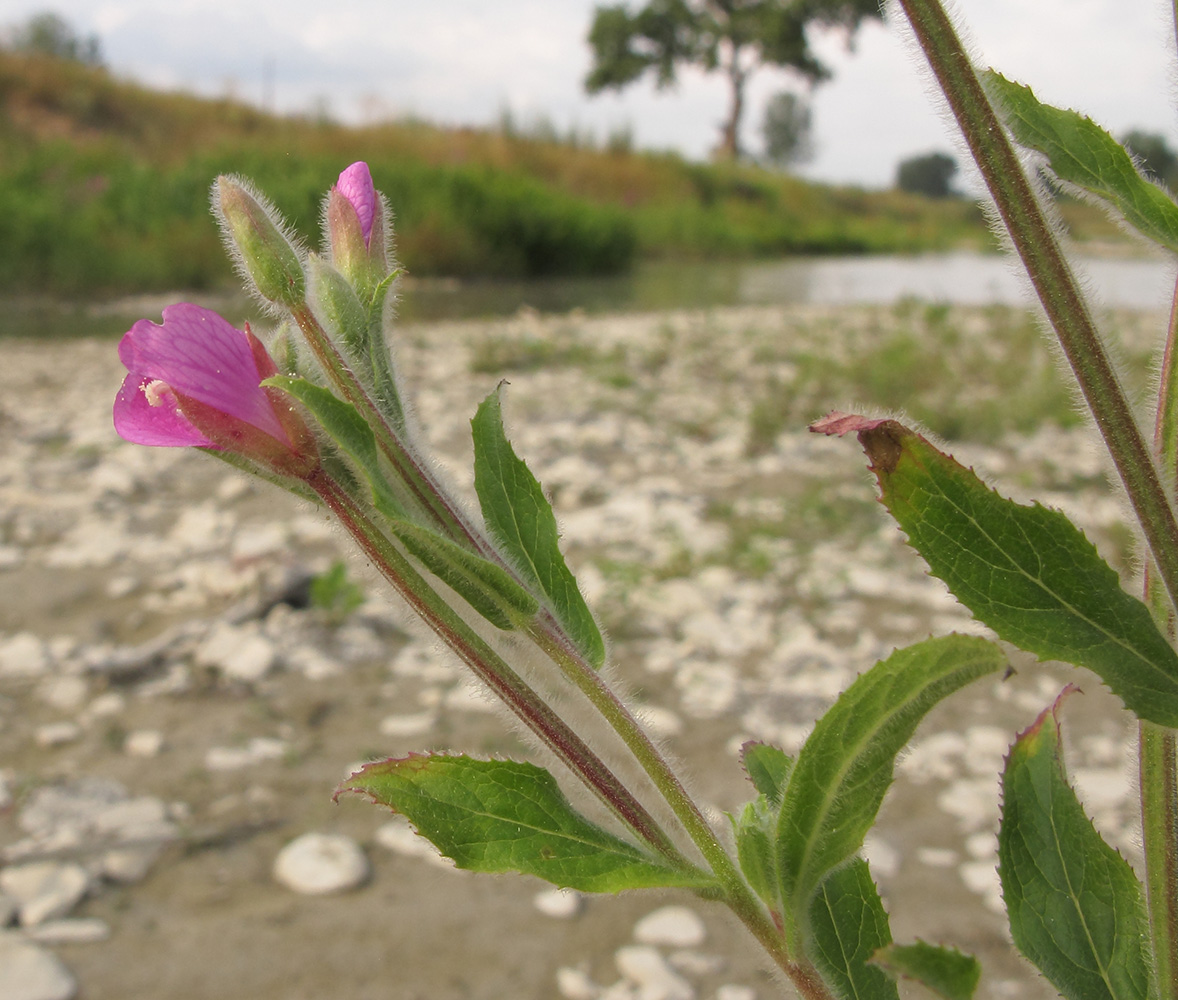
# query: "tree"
(787, 129)
(1155, 155)
(930, 175)
(733, 37)
(50, 35)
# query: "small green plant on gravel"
(319, 410)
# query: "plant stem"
(1157, 761)
(489, 667)
(1035, 241)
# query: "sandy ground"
(741, 592)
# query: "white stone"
(9, 908)
(238, 653)
(81, 930)
(937, 857)
(29, 972)
(44, 889)
(735, 991)
(128, 864)
(143, 743)
(408, 725)
(882, 856)
(643, 966)
(105, 705)
(398, 836)
(319, 863)
(660, 722)
(23, 655)
(695, 963)
(64, 693)
(560, 904)
(674, 926)
(259, 750)
(55, 734)
(575, 984)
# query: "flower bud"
(256, 239)
(339, 310)
(356, 231)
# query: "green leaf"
(521, 521)
(1026, 572)
(1082, 153)
(845, 766)
(501, 815)
(767, 767)
(487, 588)
(344, 425)
(1076, 909)
(847, 926)
(946, 971)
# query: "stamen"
(159, 393)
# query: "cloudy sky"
(464, 61)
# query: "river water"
(958, 278)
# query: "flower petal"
(137, 420)
(203, 356)
(355, 184)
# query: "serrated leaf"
(846, 764)
(755, 851)
(1075, 907)
(344, 425)
(521, 521)
(768, 768)
(949, 973)
(1026, 572)
(1082, 153)
(501, 815)
(847, 926)
(487, 588)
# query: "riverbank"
(172, 712)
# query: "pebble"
(56, 734)
(29, 972)
(143, 743)
(80, 930)
(23, 655)
(643, 966)
(575, 984)
(560, 904)
(44, 890)
(316, 864)
(408, 725)
(674, 926)
(239, 653)
(398, 836)
(259, 750)
(734, 991)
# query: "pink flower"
(355, 184)
(194, 381)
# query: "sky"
(462, 62)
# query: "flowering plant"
(319, 410)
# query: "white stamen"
(158, 393)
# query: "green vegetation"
(104, 189)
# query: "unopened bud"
(256, 239)
(339, 310)
(356, 228)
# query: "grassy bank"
(103, 189)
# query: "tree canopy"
(733, 37)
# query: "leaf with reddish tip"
(1025, 571)
(502, 815)
(1075, 907)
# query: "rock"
(575, 984)
(257, 751)
(319, 863)
(64, 693)
(44, 890)
(128, 864)
(144, 743)
(398, 836)
(560, 904)
(28, 972)
(9, 908)
(408, 725)
(674, 926)
(649, 971)
(56, 734)
(82, 930)
(239, 653)
(23, 655)
(733, 991)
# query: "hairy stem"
(1035, 242)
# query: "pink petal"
(201, 355)
(138, 421)
(355, 184)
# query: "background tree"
(1155, 155)
(50, 35)
(733, 37)
(788, 129)
(930, 175)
